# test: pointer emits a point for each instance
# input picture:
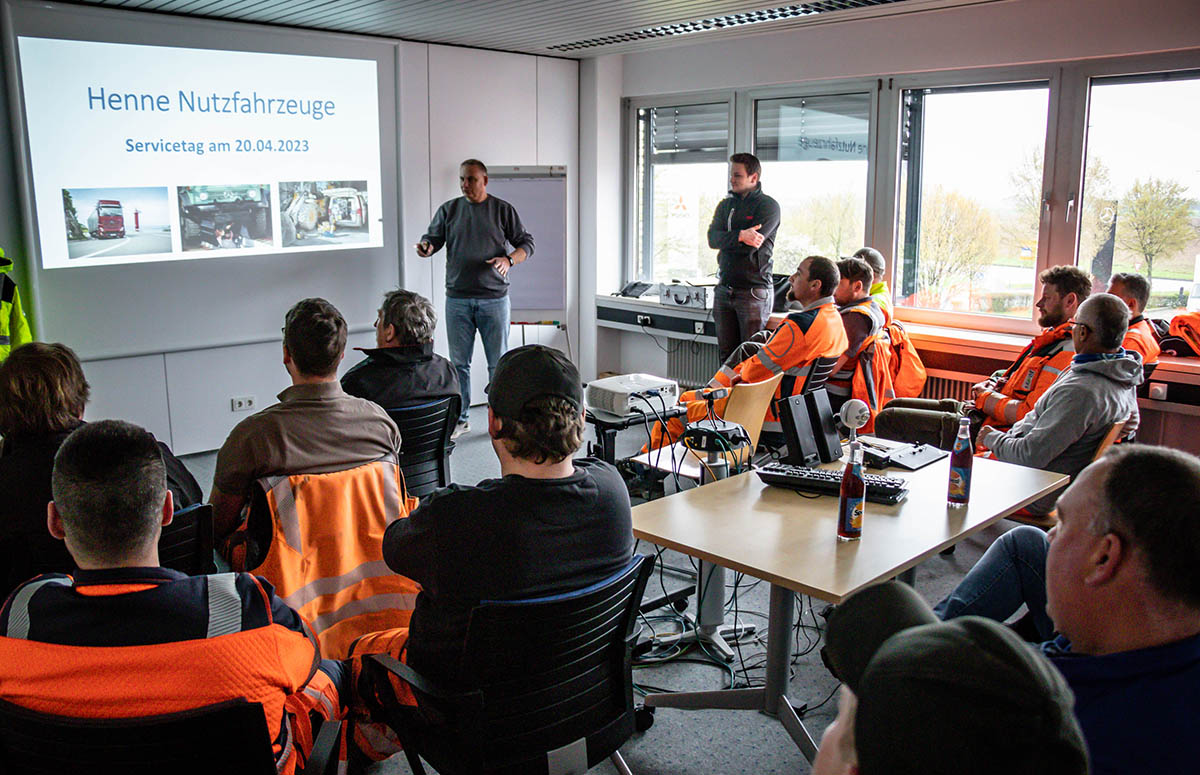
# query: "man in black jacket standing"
(743, 231)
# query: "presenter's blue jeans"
(1012, 571)
(464, 317)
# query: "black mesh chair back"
(425, 444)
(818, 375)
(552, 682)
(186, 545)
(40, 744)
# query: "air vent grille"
(722, 22)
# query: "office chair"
(227, 737)
(551, 685)
(1047, 521)
(425, 444)
(186, 545)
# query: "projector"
(627, 393)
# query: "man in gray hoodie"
(1072, 417)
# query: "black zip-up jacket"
(739, 265)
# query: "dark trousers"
(926, 421)
(739, 313)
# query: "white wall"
(454, 103)
(994, 34)
(506, 110)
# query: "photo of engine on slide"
(116, 221)
(323, 212)
(225, 217)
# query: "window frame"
(632, 107)
(748, 113)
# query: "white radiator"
(691, 364)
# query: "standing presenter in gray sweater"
(477, 230)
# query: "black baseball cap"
(530, 372)
(965, 695)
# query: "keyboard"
(888, 490)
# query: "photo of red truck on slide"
(116, 221)
(107, 219)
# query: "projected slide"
(149, 153)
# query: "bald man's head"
(1107, 317)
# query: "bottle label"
(960, 484)
(851, 516)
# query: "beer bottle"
(853, 494)
(961, 459)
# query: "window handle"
(1070, 206)
(1046, 206)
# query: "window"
(814, 156)
(681, 175)
(1141, 181)
(970, 198)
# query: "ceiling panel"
(568, 28)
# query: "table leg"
(795, 727)
(779, 646)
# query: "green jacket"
(14, 328)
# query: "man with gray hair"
(1070, 419)
(402, 370)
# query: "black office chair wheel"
(643, 718)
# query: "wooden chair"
(546, 687)
(746, 406)
(1047, 521)
(227, 737)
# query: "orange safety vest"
(326, 555)
(866, 374)
(1140, 338)
(907, 368)
(271, 665)
(1047, 356)
(802, 338)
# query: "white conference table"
(790, 540)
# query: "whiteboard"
(538, 287)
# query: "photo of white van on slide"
(323, 213)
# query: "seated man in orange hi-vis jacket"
(122, 637)
(863, 371)
(1134, 290)
(812, 330)
(879, 289)
(1007, 395)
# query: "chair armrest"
(323, 749)
(418, 681)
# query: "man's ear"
(168, 509)
(494, 424)
(389, 332)
(287, 356)
(54, 522)
(1105, 560)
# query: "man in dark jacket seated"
(42, 396)
(402, 370)
(551, 524)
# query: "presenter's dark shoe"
(460, 429)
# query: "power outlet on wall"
(699, 327)
(241, 403)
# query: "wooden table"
(790, 540)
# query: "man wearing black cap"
(551, 524)
(941, 698)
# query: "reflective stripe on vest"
(18, 612)
(224, 605)
(5, 340)
(326, 553)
